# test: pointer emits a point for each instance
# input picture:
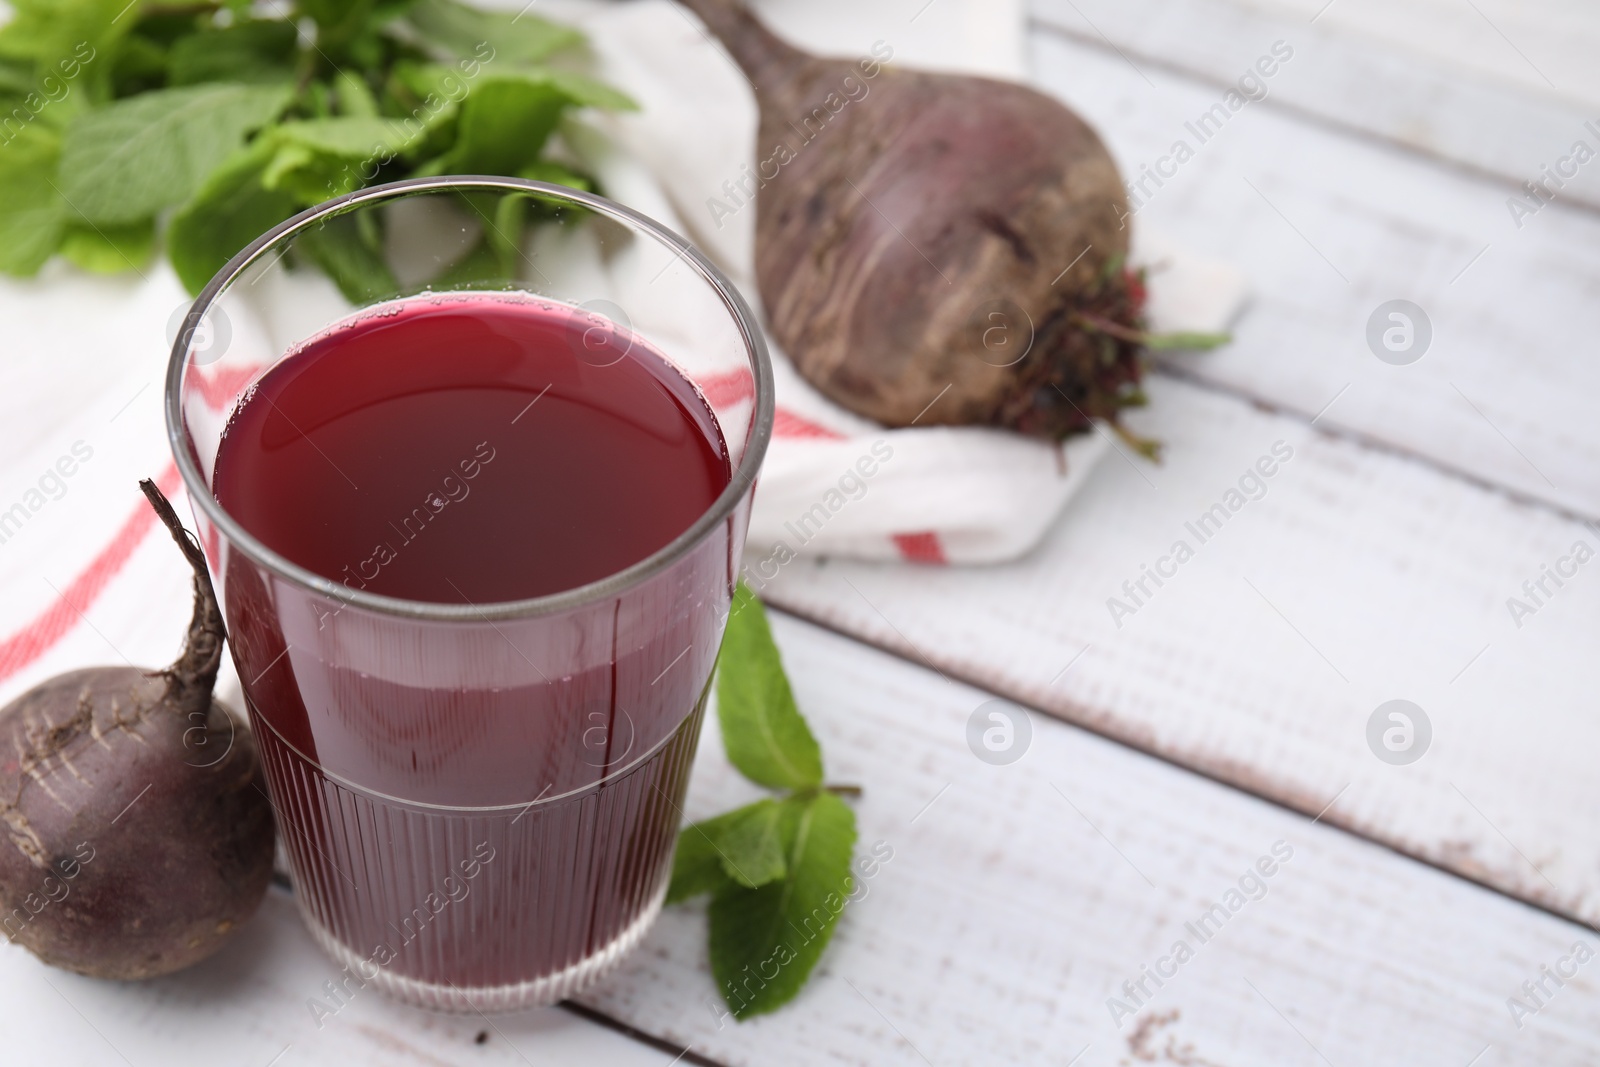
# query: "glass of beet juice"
(476, 525)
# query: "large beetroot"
(936, 248)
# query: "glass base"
(531, 993)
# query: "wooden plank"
(1019, 898)
(1357, 578)
(1541, 45)
(1497, 88)
(247, 1006)
(1329, 227)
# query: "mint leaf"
(349, 136)
(319, 159)
(557, 174)
(515, 38)
(480, 268)
(697, 859)
(503, 126)
(505, 235)
(140, 64)
(385, 10)
(32, 214)
(586, 92)
(339, 22)
(355, 95)
(778, 871)
(127, 161)
(350, 251)
(429, 95)
(110, 249)
(232, 208)
(765, 942)
(752, 844)
(72, 39)
(256, 50)
(16, 77)
(744, 847)
(762, 729)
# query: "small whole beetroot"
(137, 832)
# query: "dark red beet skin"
(138, 835)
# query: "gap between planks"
(1098, 43)
(1171, 367)
(1127, 739)
(682, 1054)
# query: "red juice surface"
(475, 804)
(470, 450)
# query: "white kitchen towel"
(87, 578)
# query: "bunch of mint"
(222, 118)
(778, 870)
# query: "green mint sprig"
(219, 120)
(778, 870)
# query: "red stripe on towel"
(788, 424)
(223, 387)
(920, 547)
(56, 621)
(723, 389)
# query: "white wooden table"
(1229, 715)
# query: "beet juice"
(479, 800)
(473, 450)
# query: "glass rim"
(743, 477)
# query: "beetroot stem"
(193, 676)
